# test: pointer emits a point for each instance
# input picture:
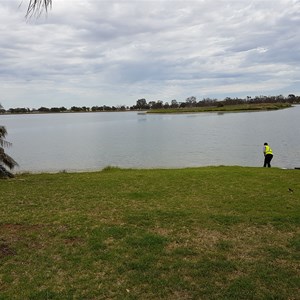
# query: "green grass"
(225, 108)
(199, 233)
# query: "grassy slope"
(207, 233)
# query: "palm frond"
(3, 132)
(4, 158)
(3, 142)
(36, 7)
(7, 160)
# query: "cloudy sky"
(95, 52)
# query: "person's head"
(265, 144)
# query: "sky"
(94, 52)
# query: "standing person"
(268, 153)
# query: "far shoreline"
(253, 107)
(226, 108)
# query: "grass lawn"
(197, 233)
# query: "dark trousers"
(268, 159)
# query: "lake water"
(92, 141)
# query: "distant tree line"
(22, 110)
(142, 104)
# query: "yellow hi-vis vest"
(268, 150)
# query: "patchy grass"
(199, 233)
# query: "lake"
(92, 141)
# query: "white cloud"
(91, 52)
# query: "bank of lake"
(225, 108)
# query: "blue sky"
(94, 52)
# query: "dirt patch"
(19, 235)
(6, 250)
(16, 232)
(13, 228)
(73, 241)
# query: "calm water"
(92, 141)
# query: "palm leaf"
(4, 158)
(3, 142)
(35, 7)
(3, 132)
(7, 160)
